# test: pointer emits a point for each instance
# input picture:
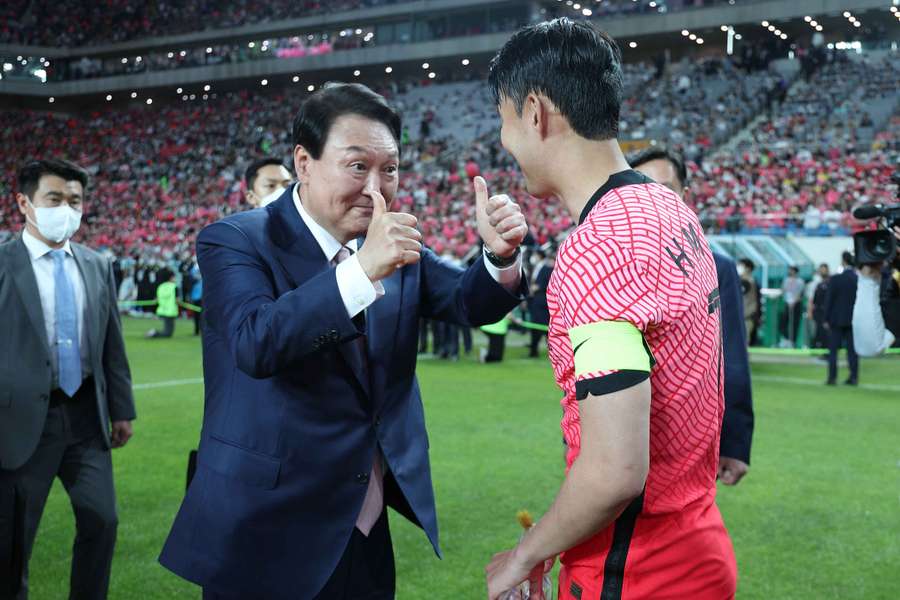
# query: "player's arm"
(608, 474)
(611, 468)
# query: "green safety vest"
(167, 306)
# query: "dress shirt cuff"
(357, 292)
(508, 277)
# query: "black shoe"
(851, 382)
(831, 382)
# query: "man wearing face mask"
(313, 422)
(65, 396)
(265, 180)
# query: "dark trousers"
(467, 339)
(71, 448)
(198, 319)
(450, 339)
(535, 342)
(496, 346)
(168, 327)
(365, 571)
(842, 336)
(820, 340)
(790, 321)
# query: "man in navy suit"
(667, 168)
(313, 421)
(839, 300)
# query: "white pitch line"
(170, 383)
(874, 387)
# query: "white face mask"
(57, 223)
(275, 195)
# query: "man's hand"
(392, 241)
(897, 233)
(506, 571)
(501, 223)
(731, 470)
(121, 433)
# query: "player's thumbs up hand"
(392, 240)
(501, 223)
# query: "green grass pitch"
(817, 517)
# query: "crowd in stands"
(70, 23)
(161, 173)
(813, 158)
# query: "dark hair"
(747, 263)
(255, 166)
(847, 257)
(793, 269)
(319, 112)
(661, 153)
(823, 265)
(30, 174)
(575, 65)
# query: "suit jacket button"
(377, 421)
(362, 478)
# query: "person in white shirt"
(870, 336)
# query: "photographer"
(875, 299)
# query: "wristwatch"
(501, 263)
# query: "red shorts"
(680, 555)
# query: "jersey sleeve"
(607, 307)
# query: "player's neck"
(586, 167)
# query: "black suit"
(45, 434)
(839, 300)
(737, 424)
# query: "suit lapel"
(300, 255)
(23, 275)
(90, 275)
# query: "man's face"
(823, 271)
(524, 145)
(52, 191)
(360, 155)
(268, 179)
(663, 172)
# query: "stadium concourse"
(161, 174)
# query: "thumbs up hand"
(392, 241)
(501, 223)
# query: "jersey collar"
(616, 180)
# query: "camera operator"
(876, 302)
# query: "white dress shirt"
(870, 336)
(357, 291)
(42, 264)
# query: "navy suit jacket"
(737, 424)
(840, 298)
(291, 420)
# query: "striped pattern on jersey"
(639, 256)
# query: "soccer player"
(634, 340)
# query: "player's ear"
(537, 112)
